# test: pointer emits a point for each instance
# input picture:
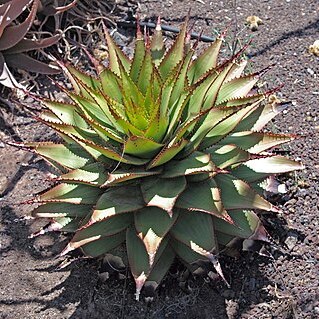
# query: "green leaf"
(118, 200)
(256, 142)
(213, 118)
(157, 45)
(174, 55)
(111, 153)
(69, 225)
(71, 193)
(194, 164)
(120, 176)
(138, 259)
(224, 127)
(195, 229)
(69, 155)
(159, 269)
(162, 193)
(111, 85)
(104, 228)
(189, 256)
(141, 147)
(246, 225)
(146, 72)
(236, 88)
(179, 85)
(236, 70)
(52, 210)
(249, 99)
(199, 94)
(154, 218)
(67, 113)
(205, 62)
(116, 55)
(214, 86)
(103, 245)
(83, 78)
(203, 197)
(106, 133)
(261, 168)
(225, 156)
(236, 194)
(139, 53)
(152, 224)
(92, 174)
(92, 109)
(258, 118)
(167, 154)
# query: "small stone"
(314, 48)
(253, 22)
(291, 240)
(310, 71)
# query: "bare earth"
(31, 286)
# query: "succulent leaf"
(163, 153)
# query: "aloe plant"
(163, 153)
(14, 44)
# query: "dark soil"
(284, 287)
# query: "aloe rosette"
(164, 152)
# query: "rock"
(291, 240)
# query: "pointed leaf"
(104, 228)
(237, 194)
(226, 126)
(139, 53)
(174, 55)
(25, 62)
(152, 224)
(195, 228)
(103, 245)
(246, 225)
(167, 154)
(141, 147)
(256, 142)
(257, 169)
(118, 200)
(159, 270)
(11, 35)
(194, 164)
(203, 197)
(92, 174)
(51, 210)
(68, 155)
(227, 155)
(161, 192)
(120, 176)
(26, 44)
(236, 88)
(138, 259)
(258, 118)
(116, 55)
(71, 193)
(205, 62)
(111, 85)
(157, 44)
